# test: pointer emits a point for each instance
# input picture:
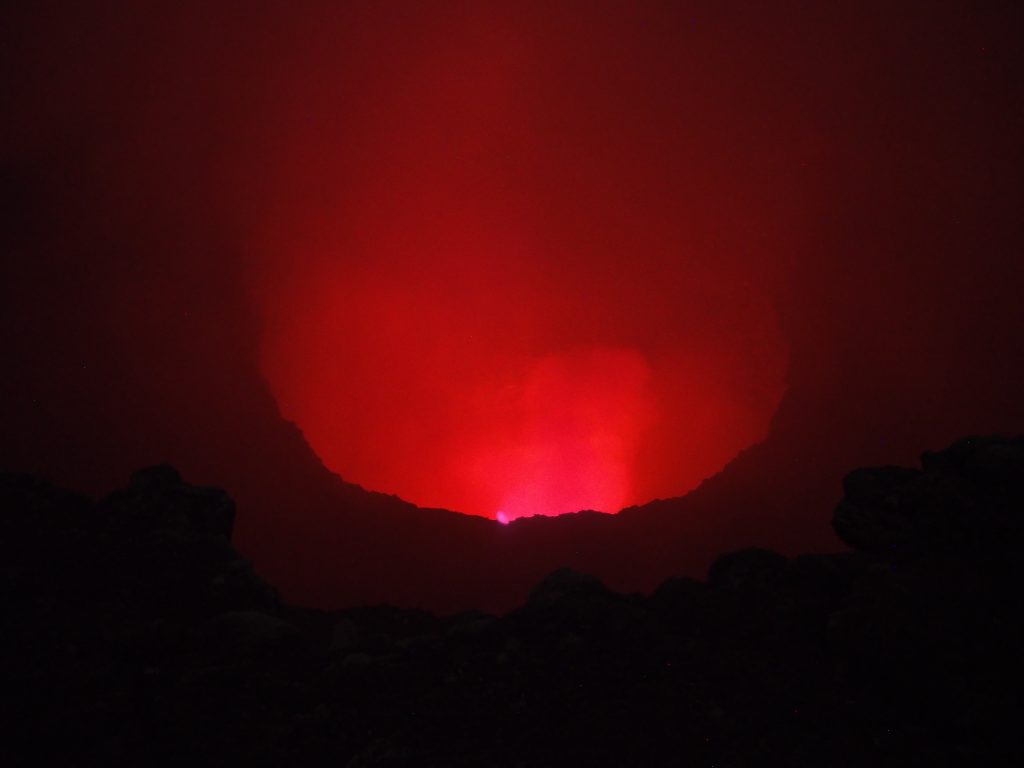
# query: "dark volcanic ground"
(134, 634)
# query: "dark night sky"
(682, 214)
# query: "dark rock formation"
(968, 496)
(157, 499)
(134, 634)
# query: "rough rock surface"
(134, 634)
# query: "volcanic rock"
(135, 634)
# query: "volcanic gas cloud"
(502, 273)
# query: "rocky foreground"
(134, 634)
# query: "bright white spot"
(502, 518)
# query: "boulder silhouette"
(136, 634)
(966, 496)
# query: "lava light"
(520, 289)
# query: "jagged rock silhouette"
(136, 635)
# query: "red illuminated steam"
(499, 275)
(571, 428)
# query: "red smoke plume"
(501, 278)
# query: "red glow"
(573, 424)
(498, 280)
